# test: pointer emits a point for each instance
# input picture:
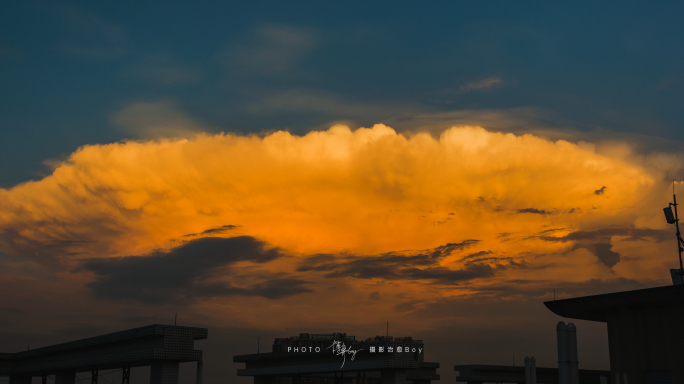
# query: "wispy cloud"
(481, 85)
(271, 50)
(326, 104)
(163, 69)
(453, 95)
(214, 231)
(90, 36)
(157, 119)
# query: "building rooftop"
(314, 354)
(598, 307)
(477, 373)
(133, 347)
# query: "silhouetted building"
(340, 359)
(162, 347)
(478, 374)
(645, 334)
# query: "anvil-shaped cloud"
(409, 218)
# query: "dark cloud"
(550, 230)
(59, 240)
(382, 265)
(407, 306)
(402, 266)
(604, 234)
(543, 289)
(272, 289)
(184, 273)
(490, 297)
(598, 242)
(476, 255)
(214, 231)
(445, 275)
(14, 266)
(604, 253)
(533, 210)
(601, 190)
(446, 250)
(361, 267)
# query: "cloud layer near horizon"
(353, 217)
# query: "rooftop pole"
(673, 218)
(679, 234)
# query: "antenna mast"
(674, 219)
(680, 242)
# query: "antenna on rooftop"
(677, 275)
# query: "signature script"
(338, 348)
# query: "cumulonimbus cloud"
(368, 192)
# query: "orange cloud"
(361, 197)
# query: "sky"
(269, 168)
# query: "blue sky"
(68, 69)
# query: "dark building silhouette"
(162, 347)
(478, 374)
(337, 358)
(645, 334)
